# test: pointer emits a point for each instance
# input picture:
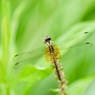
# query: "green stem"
(5, 31)
(5, 38)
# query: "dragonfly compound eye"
(47, 39)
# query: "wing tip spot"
(17, 63)
(86, 32)
(16, 55)
(87, 43)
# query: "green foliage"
(23, 25)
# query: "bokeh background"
(23, 26)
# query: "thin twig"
(61, 78)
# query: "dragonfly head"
(47, 39)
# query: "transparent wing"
(28, 57)
(74, 39)
(74, 51)
(69, 49)
(74, 46)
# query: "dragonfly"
(53, 53)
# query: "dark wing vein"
(75, 50)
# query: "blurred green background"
(23, 26)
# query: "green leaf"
(79, 87)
